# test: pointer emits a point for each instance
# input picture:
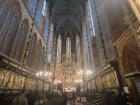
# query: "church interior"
(69, 52)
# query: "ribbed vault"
(67, 15)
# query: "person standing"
(20, 100)
(118, 98)
(32, 97)
(65, 98)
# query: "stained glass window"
(59, 49)
(68, 49)
(44, 8)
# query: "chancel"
(69, 52)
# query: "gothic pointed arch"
(68, 49)
(20, 40)
(9, 22)
(59, 43)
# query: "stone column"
(54, 55)
(63, 49)
(73, 49)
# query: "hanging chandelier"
(68, 69)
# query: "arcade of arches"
(84, 47)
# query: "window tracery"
(68, 49)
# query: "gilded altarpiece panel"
(110, 80)
(46, 87)
(4, 79)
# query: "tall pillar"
(98, 32)
(54, 55)
(73, 49)
(63, 49)
(82, 51)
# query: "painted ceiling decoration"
(67, 15)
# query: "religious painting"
(2, 77)
(33, 84)
(5, 79)
(99, 84)
(30, 84)
(46, 86)
(22, 82)
(26, 84)
(110, 80)
(93, 85)
(10, 84)
(16, 82)
(40, 85)
(105, 82)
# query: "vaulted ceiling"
(67, 15)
